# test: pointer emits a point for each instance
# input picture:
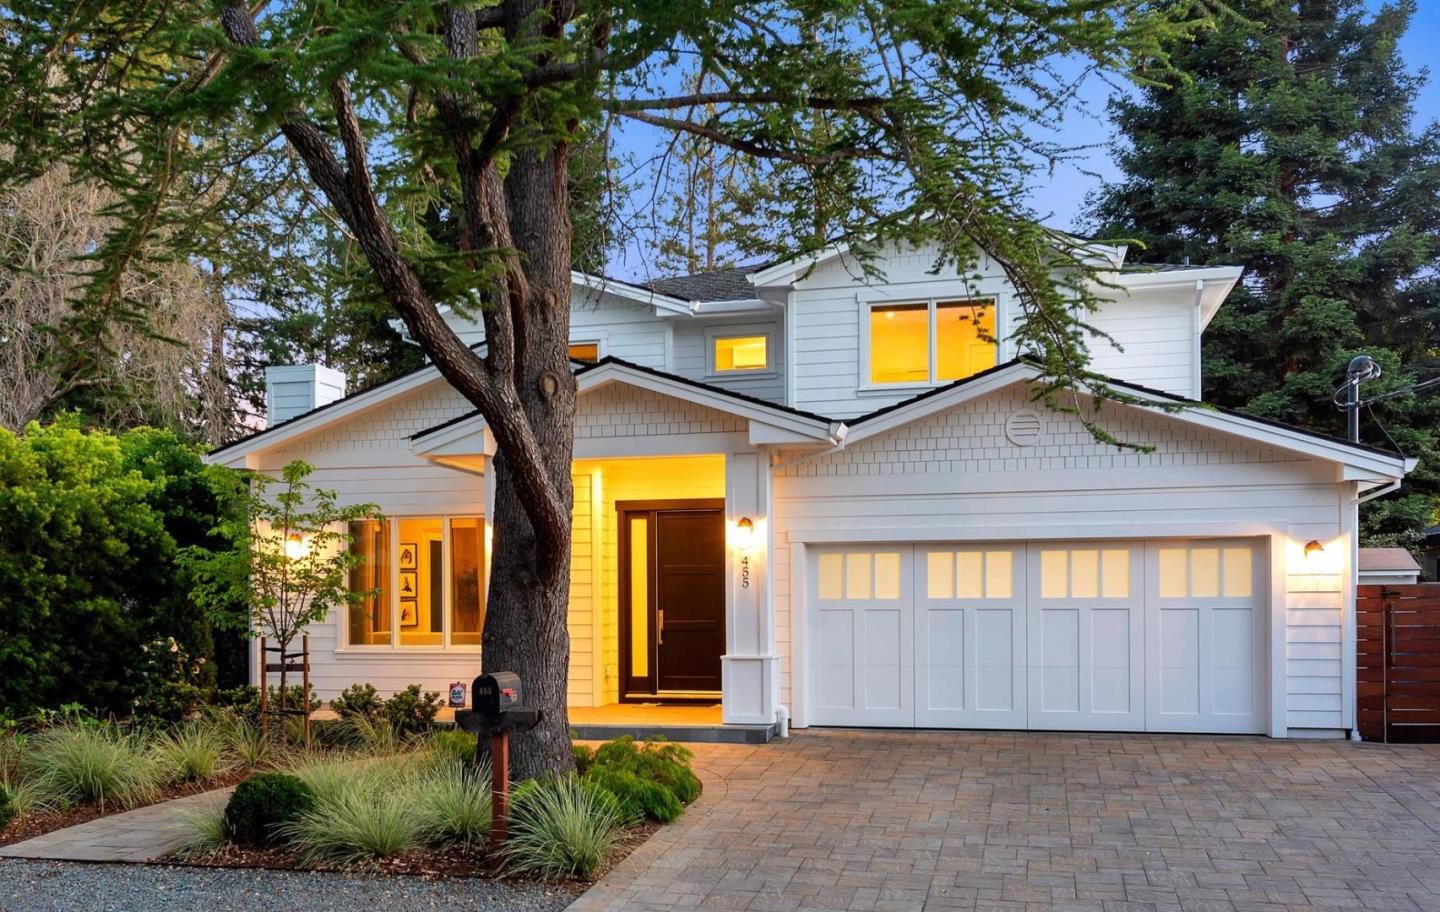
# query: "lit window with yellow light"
(742, 353)
(930, 342)
(589, 352)
(420, 580)
(964, 338)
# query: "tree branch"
(743, 145)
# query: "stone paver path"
(143, 834)
(845, 820)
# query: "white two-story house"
(818, 500)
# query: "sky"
(1060, 199)
(1059, 196)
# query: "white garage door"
(1087, 636)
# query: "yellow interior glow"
(420, 610)
(900, 343)
(467, 580)
(964, 338)
(369, 620)
(639, 597)
(741, 353)
(588, 352)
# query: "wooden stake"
(305, 685)
(499, 787)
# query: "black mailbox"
(496, 693)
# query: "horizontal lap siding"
(624, 328)
(691, 357)
(1158, 338)
(954, 473)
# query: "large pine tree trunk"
(529, 591)
(525, 628)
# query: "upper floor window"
(589, 352)
(930, 341)
(425, 582)
(734, 354)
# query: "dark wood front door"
(672, 629)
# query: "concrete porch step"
(699, 734)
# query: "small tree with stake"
(291, 561)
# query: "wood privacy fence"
(1397, 647)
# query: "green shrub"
(77, 762)
(169, 682)
(562, 827)
(639, 799)
(584, 756)
(245, 701)
(410, 712)
(192, 753)
(454, 744)
(656, 761)
(359, 700)
(262, 804)
(453, 801)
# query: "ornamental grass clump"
(192, 753)
(78, 762)
(453, 801)
(362, 811)
(561, 827)
(206, 830)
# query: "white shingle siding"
(622, 411)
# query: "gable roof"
(1363, 462)
(770, 423)
(1369, 463)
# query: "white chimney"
(292, 390)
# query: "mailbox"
(497, 693)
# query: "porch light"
(744, 533)
(1313, 547)
(296, 546)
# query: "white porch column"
(750, 667)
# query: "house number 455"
(745, 572)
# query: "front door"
(672, 619)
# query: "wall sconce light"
(744, 533)
(296, 546)
(1313, 547)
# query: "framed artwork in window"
(409, 554)
(409, 615)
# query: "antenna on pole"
(1362, 367)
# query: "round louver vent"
(1023, 428)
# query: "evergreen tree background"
(1289, 149)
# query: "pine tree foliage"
(1289, 149)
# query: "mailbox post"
(497, 709)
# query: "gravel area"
(48, 886)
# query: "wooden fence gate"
(1397, 647)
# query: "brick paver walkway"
(143, 834)
(1028, 822)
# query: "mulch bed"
(453, 862)
(28, 827)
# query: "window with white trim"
(739, 352)
(933, 341)
(424, 582)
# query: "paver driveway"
(927, 820)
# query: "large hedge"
(90, 525)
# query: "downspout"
(837, 433)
